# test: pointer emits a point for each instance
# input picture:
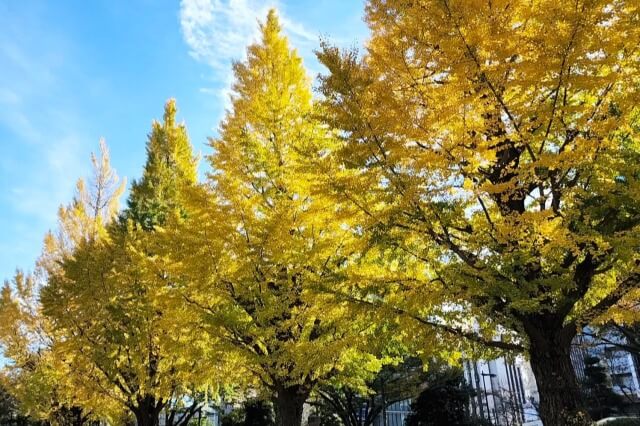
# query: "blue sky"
(73, 71)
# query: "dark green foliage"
(258, 413)
(254, 412)
(444, 401)
(600, 399)
(170, 165)
(233, 418)
(10, 414)
(392, 384)
(8, 407)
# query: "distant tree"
(253, 412)
(444, 401)
(600, 399)
(392, 384)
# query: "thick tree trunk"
(148, 411)
(147, 418)
(561, 401)
(289, 404)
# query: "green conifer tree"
(600, 399)
(170, 164)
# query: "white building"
(506, 392)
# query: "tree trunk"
(148, 411)
(147, 418)
(561, 402)
(289, 404)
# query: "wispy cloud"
(217, 32)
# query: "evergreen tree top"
(170, 164)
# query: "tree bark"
(289, 404)
(561, 402)
(147, 418)
(148, 411)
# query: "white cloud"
(218, 32)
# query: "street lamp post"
(486, 396)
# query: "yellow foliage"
(497, 142)
(259, 242)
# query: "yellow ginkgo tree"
(497, 143)
(42, 377)
(258, 244)
(111, 303)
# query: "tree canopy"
(110, 299)
(466, 184)
(43, 377)
(258, 244)
(497, 143)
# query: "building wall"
(505, 394)
(505, 391)
(395, 414)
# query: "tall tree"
(42, 378)
(112, 302)
(258, 243)
(497, 142)
(170, 166)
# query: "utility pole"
(486, 397)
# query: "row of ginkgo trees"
(472, 178)
(194, 287)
